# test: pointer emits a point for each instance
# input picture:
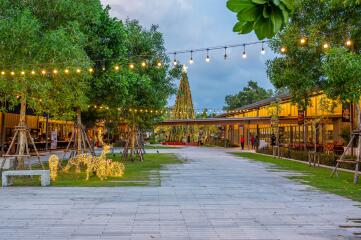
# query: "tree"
(31, 40)
(250, 94)
(265, 17)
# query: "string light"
(32, 72)
(283, 49)
(91, 70)
(3, 73)
(66, 71)
(175, 59)
(244, 55)
(131, 66)
(78, 70)
(55, 71)
(191, 59)
(225, 53)
(325, 46)
(348, 43)
(144, 64)
(116, 68)
(43, 72)
(207, 58)
(159, 64)
(303, 41)
(22, 73)
(12, 73)
(263, 52)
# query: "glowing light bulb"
(3, 73)
(131, 66)
(12, 73)
(159, 64)
(22, 73)
(66, 71)
(78, 70)
(33, 72)
(55, 71)
(348, 43)
(303, 41)
(175, 62)
(283, 49)
(143, 64)
(325, 46)
(263, 51)
(43, 72)
(208, 59)
(91, 70)
(116, 68)
(191, 61)
(244, 55)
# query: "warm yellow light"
(159, 64)
(303, 41)
(2, 73)
(43, 72)
(348, 43)
(116, 68)
(55, 71)
(22, 73)
(144, 64)
(66, 71)
(78, 70)
(131, 66)
(283, 49)
(12, 73)
(325, 46)
(33, 72)
(91, 70)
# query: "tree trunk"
(78, 133)
(3, 133)
(359, 141)
(22, 134)
(132, 142)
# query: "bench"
(44, 176)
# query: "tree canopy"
(250, 94)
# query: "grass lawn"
(136, 174)
(317, 177)
(159, 147)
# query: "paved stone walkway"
(212, 196)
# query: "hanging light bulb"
(78, 70)
(116, 67)
(303, 41)
(207, 58)
(159, 64)
(225, 53)
(66, 71)
(22, 73)
(91, 70)
(12, 73)
(263, 51)
(325, 46)
(32, 72)
(143, 64)
(348, 43)
(283, 49)
(55, 71)
(3, 73)
(191, 59)
(175, 59)
(244, 55)
(131, 66)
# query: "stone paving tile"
(213, 195)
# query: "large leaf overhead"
(265, 17)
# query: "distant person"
(242, 142)
(252, 141)
(273, 139)
(256, 142)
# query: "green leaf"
(285, 13)
(247, 27)
(290, 4)
(238, 5)
(276, 2)
(277, 20)
(259, 1)
(238, 27)
(248, 14)
(266, 12)
(263, 28)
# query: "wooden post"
(47, 132)
(3, 132)
(22, 135)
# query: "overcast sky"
(187, 24)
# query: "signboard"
(346, 112)
(54, 140)
(301, 117)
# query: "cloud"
(189, 24)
